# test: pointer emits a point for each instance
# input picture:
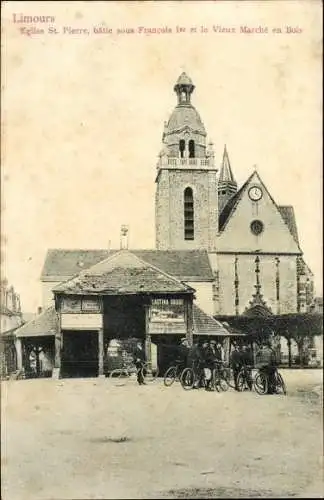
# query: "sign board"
(167, 316)
(81, 321)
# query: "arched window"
(188, 214)
(191, 148)
(182, 146)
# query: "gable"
(277, 234)
(122, 273)
(187, 265)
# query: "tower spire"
(227, 185)
(226, 174)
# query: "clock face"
(255, 193)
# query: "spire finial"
(184, 88)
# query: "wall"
(9, 322)
(224, 263)
(237, 235)
(204, 295)
(47, 294)
(170, 209)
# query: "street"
(87, 438)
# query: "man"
(236, 363)
(183, 352)
(139, 359)
(247, 362)
(267, 364)
(210, 359)
(195, 361)
(219, 351)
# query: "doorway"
(80, 354)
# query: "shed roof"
(44, 324)
(204, 324)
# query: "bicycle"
(192, 377)
(261, 383)
(125, 371)
(219, 379)
(225, 373)
(173, 373)
(244, 378)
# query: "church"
(227, 262)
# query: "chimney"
(124, 237)
(39, 310)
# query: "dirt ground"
(64, 439)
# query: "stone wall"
(170, 209)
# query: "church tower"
(227, 185)
(186, 202)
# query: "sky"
(83, 118)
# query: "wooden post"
(101, 352)
(189, 318)
(57, 360)
(19, 354)
(147, 336)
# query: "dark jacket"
(195, 354)
(236, 360)
(211, 355)
(139, 355)
(247, 357)
(266, 357)
(182, 353)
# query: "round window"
(256, 227)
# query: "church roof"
(185, 116)
(188, 265)
(44, 324)
(231, 205)
(288, 215)
(287, 211)
(123, 273)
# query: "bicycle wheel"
(118, 376)
(187, 379)
(170, 376)
(280, 384)
(241, 382)
(149, 374)
(261, 383)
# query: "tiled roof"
(190, 265)
(44, 324)
(288, 215)
(207, 325)
(123, 273)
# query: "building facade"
(222, 252)
(11, 319)
(252, 242)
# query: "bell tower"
(186, 202)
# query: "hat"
(183, 339)
(213, 342)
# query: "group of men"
(206, 355)
(202, 357)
